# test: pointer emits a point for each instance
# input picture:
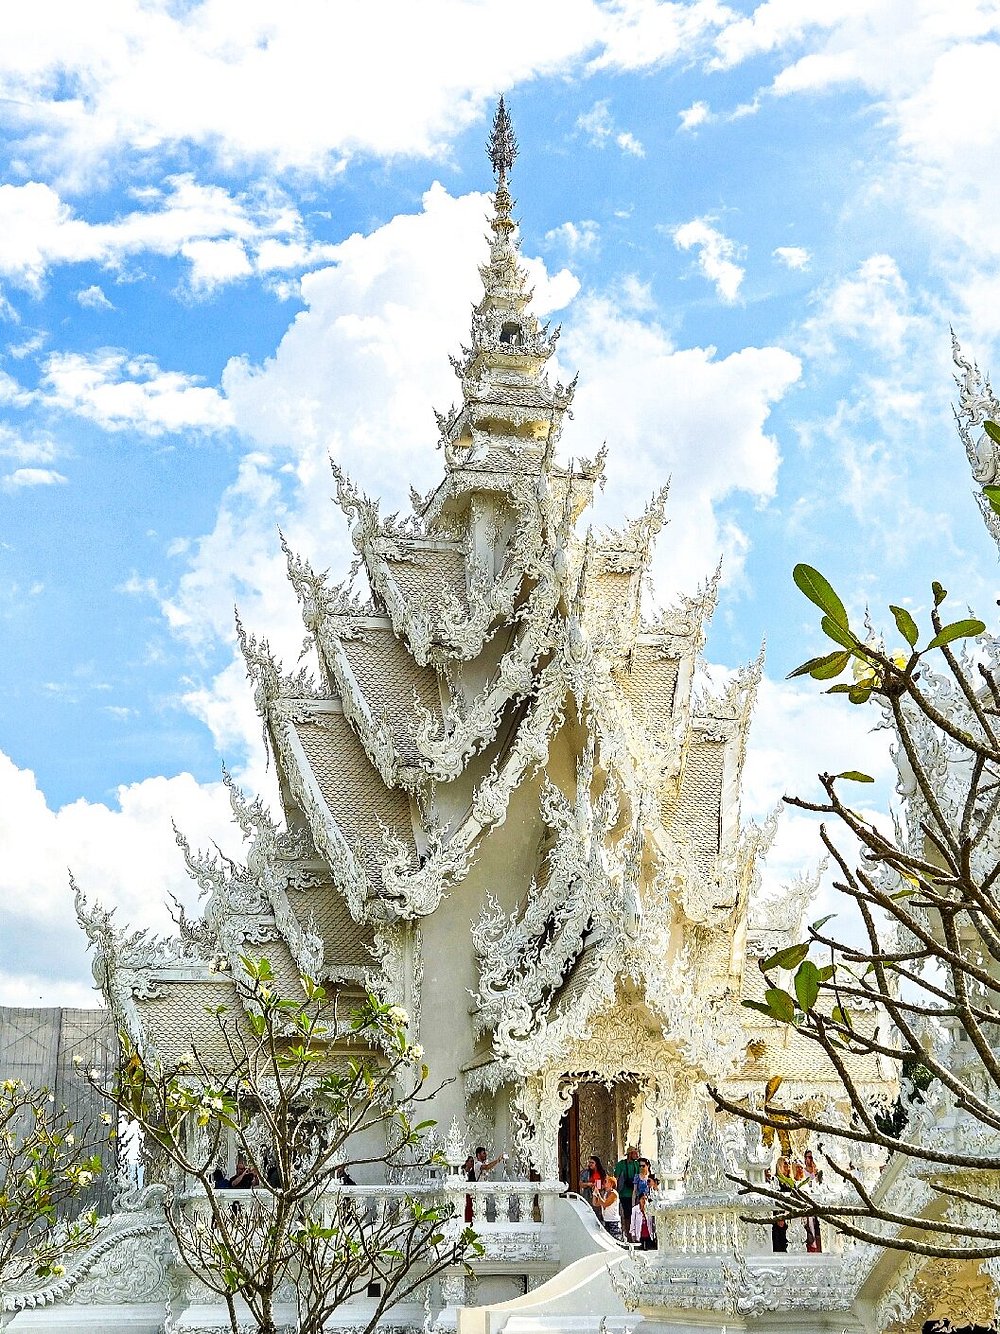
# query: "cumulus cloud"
(218, 233)
(599, 127)
(793, 256)
(675, 412)
(717, 255)
(21, 478)
(123, 853)
(797, 733)
(93, 298)
(26, 448)
(120, 392)
(578, 238)
(698, 113)
(874, 305)
(307, 87)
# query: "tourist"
(219, 1180)
(608, 1205)
(481, 1167)
(594, 1179)
(813, 1176)
(245, 1177)
(626, 1171)
(469, 1172)
(639, 1224)
(779, 1225)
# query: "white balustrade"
(512, 1217)
(717, 1226)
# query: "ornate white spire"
(508, 410)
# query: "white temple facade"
(508, 806)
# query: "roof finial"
(501, 146)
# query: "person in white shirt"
(481, 1167)
(606, 1203)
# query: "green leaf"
(780, 1005)
(966, 629)
(807, 667)
(992, 494)
(855, 776)
(993, 431)
(790, 957)
(835, 631)
(906, 625)
(757, 1005)
(825, 974)
(939, 593)
(860, 694)
(807, 985)
(818, 590)
(815, 926)
(840, 1016)
(832, 665)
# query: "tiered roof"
(499, 647)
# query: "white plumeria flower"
(398, 1016)
(415, 1053)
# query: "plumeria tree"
(47, 1166)
(294, 1090)
(916, 982)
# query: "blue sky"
(236, 238)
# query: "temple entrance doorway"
(599, 1120)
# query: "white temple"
(508, 807)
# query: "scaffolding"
(52, 1048)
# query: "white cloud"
(698, 113)
(779, 23)
(27, 347)
(639, 34)
(579, 238)
(599, 127)
(717, 255)
(26, 449)
(797, 733)
(218, 233)
(674, 412)
(93, 298)
(121, 393)
(30, 989)
(628, 143)
(303, 87)
(793, 256)
(874, 306)
(22, 478)
(124, 854)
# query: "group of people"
(792, 1174)
(622, 1198)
